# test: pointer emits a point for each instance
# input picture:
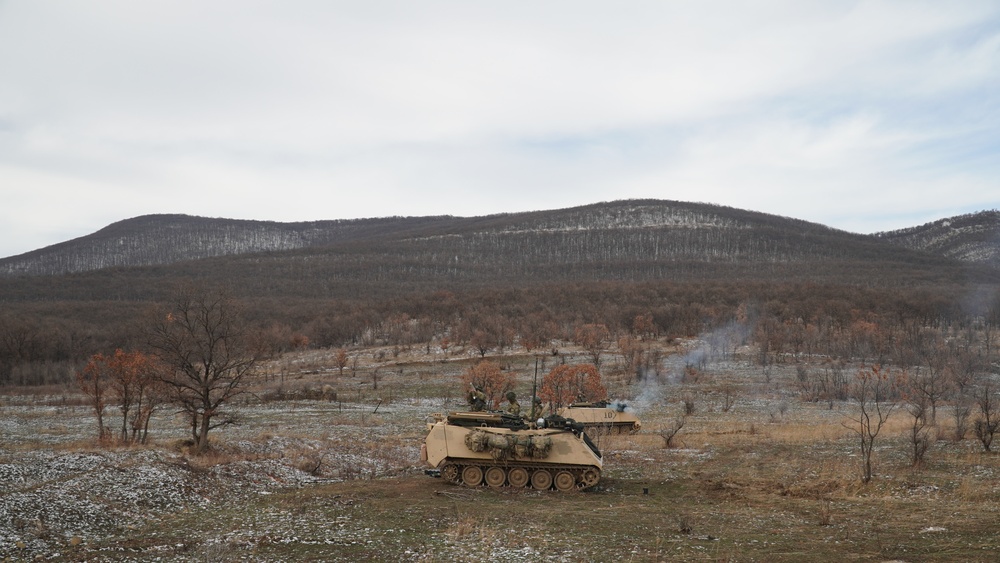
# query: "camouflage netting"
(504, 446)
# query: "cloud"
(841, 113)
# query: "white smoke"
(620, 406)
(650, 394)
(704, 351)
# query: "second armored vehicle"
(603, 417)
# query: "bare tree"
(19, 342)
(127, 380)
(134, 378)
(341, 359)
(919, 436)
(833, 384)
(592, 338)
(643, 326)
(961, 414)
(95, 382)
(632, 354)
(482, 341)
(150, 394)
(208, 352)
(875, 391)
(989, 417)
(932, 385)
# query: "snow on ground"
(50, 497)
(57, 488)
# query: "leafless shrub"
(486, 533)
(273, 395)
(695, 374)
(689, 404)
(826, 514)
(875, 391)
(671, 431)
(216, 454)
(961, 415)
(810, 388)
(919, 436)
(651, 363)
(37, 528)
(364, 459)
(801, 373)
(834, 384)
(215, 551)
(989, 417)
(777, 412)
(309, 461)
(301, 393)
(463, 527)
(328, 393)
(684, 523)
(729, 393)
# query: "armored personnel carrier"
(497, 449)
(603, 417)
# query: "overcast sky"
(864, 116)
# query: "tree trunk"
(194, 426)
(100, 425)
(202, 441)
(145, 425)
(124, 425)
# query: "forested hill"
(639, 240)
(974, 237)
(164, 239)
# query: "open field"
(306, 475)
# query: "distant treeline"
(44, 342)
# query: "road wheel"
(590, 478)
(565, 481)
(518, 477)
(495, 476)
(541, 479)
(450, 472)
(472, 476)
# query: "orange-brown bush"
(568, 383)
(487, 376)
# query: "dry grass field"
(314, 474)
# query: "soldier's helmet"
(537, 401)
(511, 396)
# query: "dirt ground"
(307, 476)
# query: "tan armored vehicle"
(498, 449)
(603, 417)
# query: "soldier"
(512, 406)
(477, 400)
(536, 408)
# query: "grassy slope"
(772, 479)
